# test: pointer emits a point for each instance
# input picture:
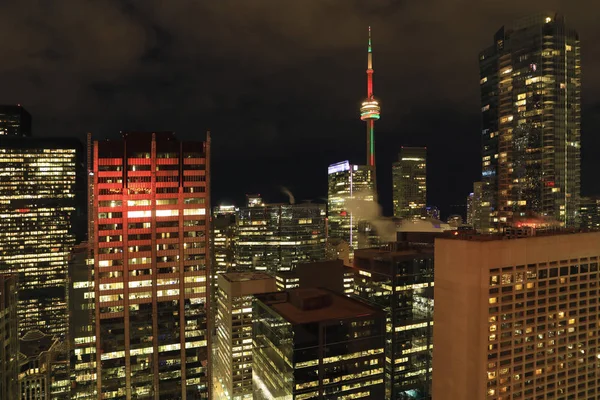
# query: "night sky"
(278, 82)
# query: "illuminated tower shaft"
(369, 111)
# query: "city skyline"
(320, 109)
(322, 282)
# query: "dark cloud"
(278, 82)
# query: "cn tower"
(369, 112)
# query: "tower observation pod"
(370, 111)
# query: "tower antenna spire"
(370, 110)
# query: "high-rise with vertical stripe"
(151, 226)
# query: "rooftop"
(33, 343)
(517, 233)
(331, 306)
(246, 276)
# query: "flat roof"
(245, 276)
(339, 307)
(518, 233)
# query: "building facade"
(233, 342)
(475, 211)
(349, 186)
(516, 318)
(151, 252)
(43, 367)
(9, 339)
(590, 212)
(224, 238)
(41, 183)
(531, 115)
(399, 279)
(313, 343)
(82, 338)
(409, 181)
(15, 121)
(276, 237)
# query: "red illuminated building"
(151, 226)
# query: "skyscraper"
(151, 196)
(15, 121)
(348, 186)
(9, 340)
(40, 206)
(517, 318)
(370, 112)
(316, 344)
(276, 237)
(399, 279)
(409, 175)
(531, 115)
(233, 341)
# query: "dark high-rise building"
(399, 279)
(276, 237)
(531, 115)
(151, 270)
(41, 183)
(409, 175)
(82, 339)
(316, 344)
(14, 121)
(590, 212)
(9, 339)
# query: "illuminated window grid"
(348, 182)
(152, 218)
(234, 342)
(543, 330)
(37, 208)
(277, 237)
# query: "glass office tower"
(409, 179)
(531, 115)
(40, 220)
(348, 185)
(151, 201)
(399, 279)
(276, 237)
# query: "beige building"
(233, 351)
(517, 318)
